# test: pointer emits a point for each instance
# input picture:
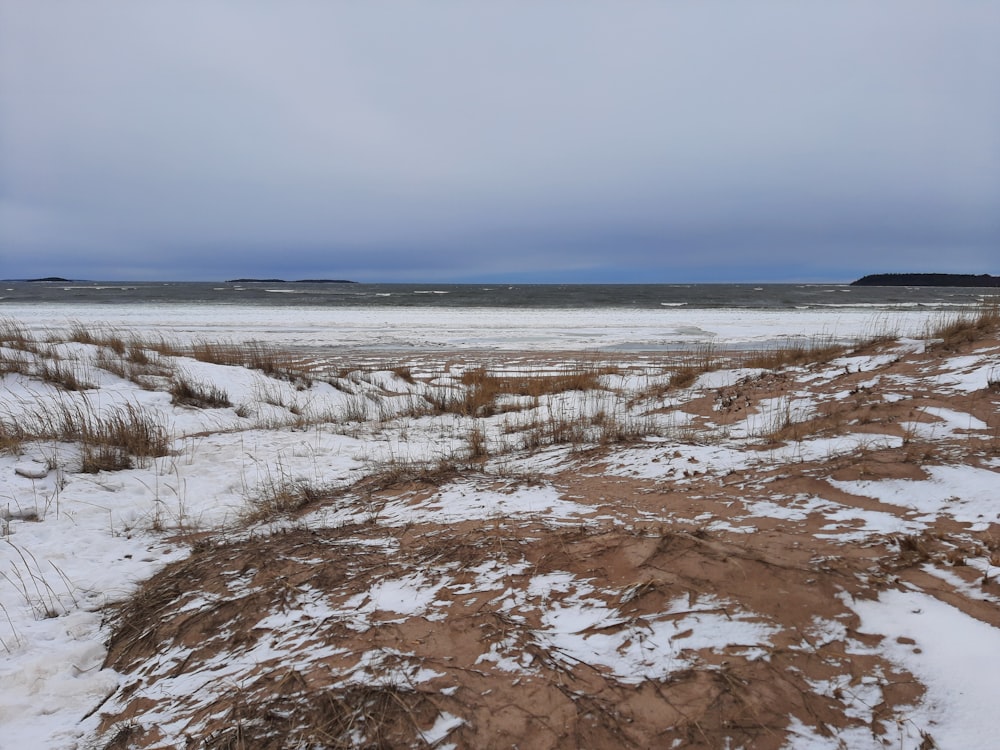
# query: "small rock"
(33, 470)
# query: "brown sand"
(646, 544)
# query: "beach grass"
(615, 496)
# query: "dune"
(238, 545)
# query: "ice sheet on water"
(430, 328)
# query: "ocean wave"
(99, 288)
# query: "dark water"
(546, 296)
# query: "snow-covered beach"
(576, 548)
(487, 328)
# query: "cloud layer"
(584, 141)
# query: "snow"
(964, 493)
(75, 542)
(95, 534)
(443, 726)
(857, 738)
(955, 656)
(408, 595)
(465, 502)
(577, 625)
(856, 524)
(956, 420)
(430, 328)
(653, 649)
(972, 373)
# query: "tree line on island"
(928, 279)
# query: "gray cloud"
(452, 140)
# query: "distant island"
(49, 278)
(928, 279)
(283, 281)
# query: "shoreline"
(478, 329)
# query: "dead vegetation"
(115, 439)
(13, 335)
(333, 665)
(66, 375)
(187, 392)
(481, 389)
(686, 371)
(255, 355)
(138, 364)
(446, 666)
(14, 362)
(954, 331)
(110, 440)
(795, 354)
(283, 499)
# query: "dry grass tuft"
(481, 389)
(65, 375)
(187, 392)
(12, 436)
(136, 364)
(913, 548)
(704, 359)
(478, 446)
(283, 500)
(255, 355)
(621, 426)
(956, 558)
(108, 441)
(955, 331)
(794, 354)
(551, 429)
(15, 336)
(125, 355)
(14, 362)
(395, 472)
(109, 338)
(161, 346)
(404, 373)
(993, 381)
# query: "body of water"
(543, 296)
(399, 317)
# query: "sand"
(801, 556)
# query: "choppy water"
(329, 318)
(545, 296)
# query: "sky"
(546, 141)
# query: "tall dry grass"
(185, 391)
(954, 331)
(481, 389)
(692, 365)
(13, 335)
(109, 440)
(255, 355)
(793, 353)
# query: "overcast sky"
(488, 141)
